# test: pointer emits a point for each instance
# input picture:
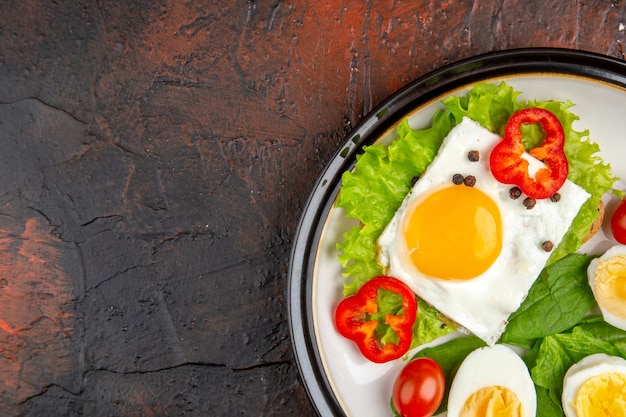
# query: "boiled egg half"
(471, 250)
(492, 381)
(607, 279)
(595, 387)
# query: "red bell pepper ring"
(352, 319)
(508, 166)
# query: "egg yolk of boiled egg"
(456, 221)
(610, 284)
(492, 401)
(602, 395)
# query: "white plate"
(339, 381)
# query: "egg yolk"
(454, 233)
(602, 395)
(492, 401)
(610, 285)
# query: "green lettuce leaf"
(429, 325)
(490, 105)
(428, 328)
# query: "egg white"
(482, 305)
(580, 372)
(490, 366)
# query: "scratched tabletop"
(155, 158)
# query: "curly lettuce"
(382, 176)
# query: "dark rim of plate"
(421, 91)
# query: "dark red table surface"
(155, 158)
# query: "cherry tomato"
(419, 388)
(618, 222)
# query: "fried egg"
(607, 279)
(492, 381)
(472, 251)
(595, 387)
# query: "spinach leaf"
(546, 405)
(604, 331)
(580, 343)
(559, 298)
(553, 360)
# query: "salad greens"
(382, 177)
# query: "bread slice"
(597, 224)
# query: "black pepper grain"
(414, 180)
(529, 203)
(547, 246)
(515, 193)
(473, 156)
(469, 181)
(556, 197)
(458, 179)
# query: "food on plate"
(418, 389)
(607, 279)
(595, 387)
(618, 222)
(357, 318)
(473, 251)
(492, 381)
(507, 234)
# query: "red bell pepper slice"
(353, 321)
(508, 166)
